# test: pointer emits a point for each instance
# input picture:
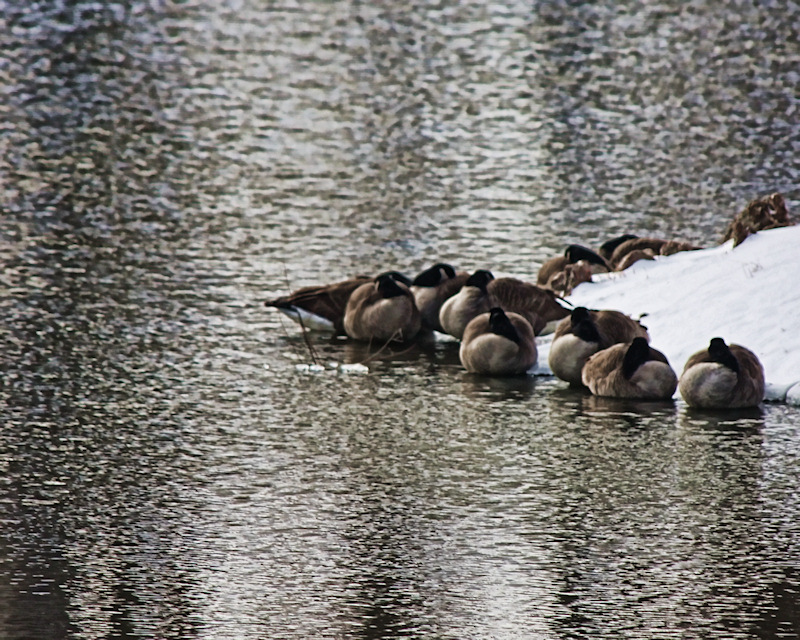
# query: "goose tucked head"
(435, 275)
(636, 355)
(396, 276)
(607, 248)
(576, 252)
(721, 353)
(388, 287)
(583, 326)
(501, 325)
(479, 279)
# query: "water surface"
(170, 465)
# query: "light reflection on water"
(166, 467)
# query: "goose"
(482, 291)
(606, 250)
(573, 254)
(722, 377)
(322, 307)
(563, 282)
(630, 370)
(472, 300)
(498, 343)
(432, 288)
(584, 333)
(382, 310)
(642, 247)
(634, 256)
(537, 305)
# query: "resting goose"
(382, 310)
(626, 253)
(498, 344)
(722, 377)
(432, 288)
(606, 250)
(584, 333)
(322, 307)
(471, 301)
(630, 370)
(551, 271)
(482, 291)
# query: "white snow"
(748, 295)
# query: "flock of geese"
(497, 320)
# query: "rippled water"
(169, 465)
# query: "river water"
(172, 466)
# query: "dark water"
(170, 467)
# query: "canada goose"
(573, 254)
(767, 212)
(584, 333)
(537, 305)
(498, 344)
(482, 291)
(472, 300)
(630, 370)
(606, 249)
(620, 258)
(722, 377)
(634, 256)
(321, 307)
(382, 310)
(432, 288)
(563, 282)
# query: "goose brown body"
(498, 343)
(483, 291)
(606, 250)
(382, 310)
(629, 251)
(537, 305)
(585, 333)
(722, 377)
(319, 307)
(432, 288)
(577, 265)
(630, 370)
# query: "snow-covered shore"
(749, 295)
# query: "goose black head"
(479, 279)
(388, 287)
(435, 275)
(396, 276)
(636, 355)
(501, 325)
(607, 248)
(583, 326)
(721, 353)
(576, 252)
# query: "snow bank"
(749, 295)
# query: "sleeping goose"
(558, 269)
(630, 370)
(382, 310)
(584, 333)
(482, 291)
(498, 344)
(432, 288)
(633, 249)
(322, 307)
(722, 377)
(606, 250)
